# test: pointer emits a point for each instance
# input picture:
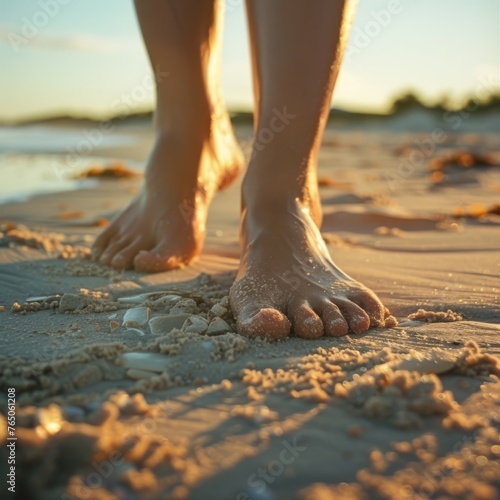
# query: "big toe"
(267, 323)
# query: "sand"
(184, 407)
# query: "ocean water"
(40, 159)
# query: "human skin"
(287, 280)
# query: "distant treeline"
(411, 101)
(408, 101)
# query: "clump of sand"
(85, 302)
(398, 397)
(59, 456)
(435, 317)
(58, 244)
(470, 470)
(79, 266)
(372, 382)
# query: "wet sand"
(412, 411)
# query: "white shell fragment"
(161, 325)
(147, 361)
(44, 298)
(195, 324)
(134, 299)
(136, 317)
(165, 302)
(435, 361)
(217, 327)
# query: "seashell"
(43, 298)
(217, 327)
(147, 361)
(165, 302)
(136, 317)
(195, 324)
(161, 325)
(113, 325)
(134, 299)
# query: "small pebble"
(217, 327)
(113, 325)
(218, 311)
(161, 325)
(185, 306)
(71, 302)
(195, 324)
(354, 431)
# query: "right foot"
(163, 227)
(287, 279)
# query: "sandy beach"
(159, 406)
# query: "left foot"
(287, 279)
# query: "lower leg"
(287, 278)
(195, 152)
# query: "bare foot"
(163, 227)
(287, 280)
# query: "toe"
(152, 262)
(266, 323)
(306, 323)
(100, 244)
(124, 259)
(371, 304)
(333, 322)
(112, 249)
(356, 318)
(163, 258)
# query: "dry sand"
(407, 412)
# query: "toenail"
(337, 322)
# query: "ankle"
(278, 186)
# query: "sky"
(85, 57)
